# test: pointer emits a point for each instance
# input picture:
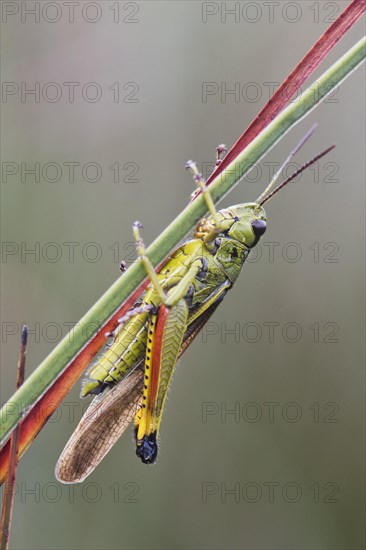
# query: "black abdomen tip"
(147, 450)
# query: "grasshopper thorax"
(231, 236)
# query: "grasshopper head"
(249, 223)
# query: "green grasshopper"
(132, 377)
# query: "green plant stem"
(59, 358)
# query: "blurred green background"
(286, 470)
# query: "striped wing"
(105, 420)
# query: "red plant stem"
(8, 502)
(290, 87)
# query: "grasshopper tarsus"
(221, 150)
(123, 266)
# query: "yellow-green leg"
(146, 261)
(208, 230)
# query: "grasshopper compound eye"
(259, 227)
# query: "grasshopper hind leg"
(166, 332)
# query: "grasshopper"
(132, 377)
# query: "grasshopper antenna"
(291, 155)
(293, 176)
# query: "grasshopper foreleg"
(221, 150)
(207, 229)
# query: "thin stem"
(8, 503)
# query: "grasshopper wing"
(108, 416)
